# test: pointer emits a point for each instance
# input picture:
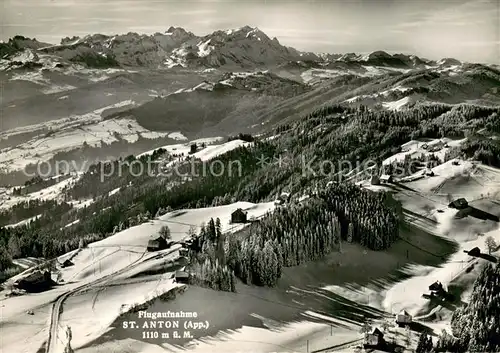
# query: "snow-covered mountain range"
(237, 48)
(182, 84)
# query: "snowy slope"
(213, 151)
(396, 105)
(103, 258)
(184, 148)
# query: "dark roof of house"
(377, 332)
(68, 263)
(435, 286)
(239, 211)
(154, 243)
(475, 250)
(459, 202)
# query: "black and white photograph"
(249, 176)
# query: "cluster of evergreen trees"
(29, 209)
(302, 232)
(483, 149)
(424, 344)
(213, 275)
(208, 259)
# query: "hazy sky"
(464, 29)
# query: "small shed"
(455, 163)
(429, 172)
(67, 263)
(375, 180)
(181, 277)
(386, 178)
(403, 318)
(459, 204)
(374, 339)
(157, 244)
(239, 216)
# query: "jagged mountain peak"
(378, 54)
(449, 62)
(241, 33)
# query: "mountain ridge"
(243, 47)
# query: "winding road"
(51, 345)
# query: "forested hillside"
(293, 161)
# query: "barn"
(374, 339)
(403, 318)
(157, 244)
(474, 252)
(459, 204)
(36, 281)
(239, 216)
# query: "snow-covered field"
(72, 132)
(123, 252)
(205, 154)
(183, 148)
(313, 75)
(396, 105)
(90, 313)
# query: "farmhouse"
(459, 204)
(437, 146)
(157, 244)
(239, 216)
(374, 339)
(36, 281)
(403, 318)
